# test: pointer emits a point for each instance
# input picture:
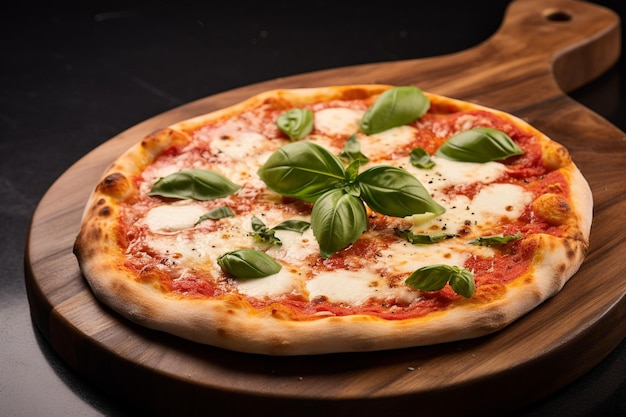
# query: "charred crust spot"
(114, 184)
(93, 234)
(570, 250)
(113, 179)
(162, 139)
(105, 211)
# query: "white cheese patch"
(405, 257)
(238, 145)
(447, 173)
(355, 287)
(492, 204)
(239, 154)
(284, 282)
(378, 145)
(295, 247)
(337, 121)
(203, 248)
(498, 201)
(172, 218)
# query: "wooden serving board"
(543, 48)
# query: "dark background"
(73, 76)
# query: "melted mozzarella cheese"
(378, 145)
(295, 247)
(405, 257)
(237, 145)
(284, 282)
(447, 173)
(171, 218)
(494, 203)
(337, 121)
(355, 288)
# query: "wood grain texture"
(542, 49)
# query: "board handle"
(577, 39)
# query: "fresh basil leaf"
(394, 107)
(352, 171)
(216, 214)
(495, 240)
(195, 184)
(482, 144)
(435, 277)
(303, 170)
(394, 192)
(337, 219)
(421, 239)
(352, 151)
(462, 282)
(248, 263)
(263, 233)
(298, 226)
(419, 158)
(296, 123)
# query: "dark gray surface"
(71, 78)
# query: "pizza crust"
(230, 322)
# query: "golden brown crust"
(228, 321)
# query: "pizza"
(344, 218)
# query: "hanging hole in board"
(557, 15)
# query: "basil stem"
(298, 226)
(394, 107)
(435, 277)
(338, 219)
(303, 170)
(262, 233)
(195, 184)
(420, 239)
(216, 214)
(265, 234)
(352, 151)
(419, 158)
(394, 192)
(248, 263)
(482, 144)
(495, 240)
(296, 123)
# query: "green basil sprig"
(482, 144)
(296, 123)
(394, 107)
(216, 214)
(338, 219)
(419, 158)
(194, 184)
(308, 171)
(495, 240)
(394, 192)
(303, 170)
(422, 239)
(265, 234)
(352, 151)
(435, 277)
(248, 263)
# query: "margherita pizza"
(336, 219)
